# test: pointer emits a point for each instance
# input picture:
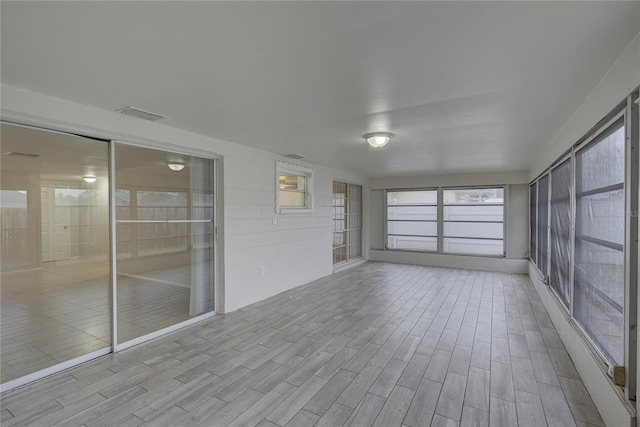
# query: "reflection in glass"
(164, 235)
(54, 252)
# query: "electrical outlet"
(274, 220)
(261, 271)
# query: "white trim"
(161, 332)
(38, 375)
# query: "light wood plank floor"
(379, 344)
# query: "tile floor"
(379, 344)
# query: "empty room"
(319, 213)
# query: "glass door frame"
(118, 346)
(112, 282)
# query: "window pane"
(418, 197)
(560, 230)
(413, 243)
(599, 259)
(533, 223)
(412, 220)
(543, 222)
(54, 253)
(292, 182)
(347, 221)
(15, 237)
(473, 196)
(473, 229)
(473, 213)
(291, 199)
(418, 213)
(473, 246)
(165, 269)
(414, 228)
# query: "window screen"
(473, 221)
(599, 241)
(543, 224)
(533, 222)
(559, 228)
(412, 220)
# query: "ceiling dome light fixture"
(89, 178)
(176, 167)
(378, 139)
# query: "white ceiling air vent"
(141, 114)
(294, 156)
(18, 154)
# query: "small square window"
(294, 188)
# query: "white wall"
(297, 250)
(517, 201)
(619, 81)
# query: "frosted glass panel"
(474, 196)
(413, 243)
(474, 229)
(416, 197)
(412, 213)
(474, 213)
(473, 246)
(413, 228)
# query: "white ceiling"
(465, 86)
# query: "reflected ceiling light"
(378, 139)
(176, 167)
(89, 178)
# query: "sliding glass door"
(55, 250)
(165, 239)
(66, 292)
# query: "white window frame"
(283, 168)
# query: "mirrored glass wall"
(56, 260)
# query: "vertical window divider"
(572, 234)
(113, 258)
(548, 227)
(631, 245)
(440, 219)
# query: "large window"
(591, 218)
(347, 222)
(560, 230)
(474, 221)
(599, 242)
(412, 220)
(471, 220)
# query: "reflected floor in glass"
(61, 311)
